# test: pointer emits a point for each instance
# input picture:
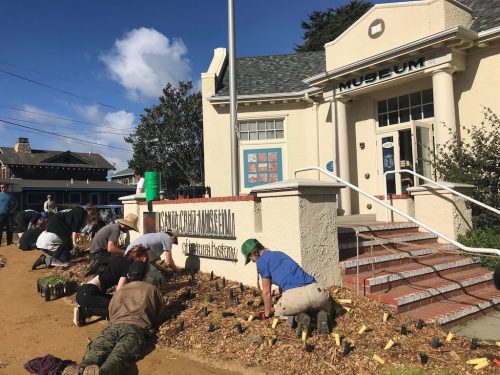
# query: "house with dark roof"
(70, 177)
(395, 85)
(125, 176)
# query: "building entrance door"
(408, 148)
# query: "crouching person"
(135, 313)
(301, 293)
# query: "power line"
(124, 132)
(58, 77)
(63, 91)
(65, 136)
(59, 117)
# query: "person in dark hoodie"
(60, 235)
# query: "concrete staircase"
(410, 272)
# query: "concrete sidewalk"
(485, 328)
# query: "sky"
(86, 70)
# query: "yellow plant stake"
(389, 344)
(481, 365)
(250, 317)
(449, 337)
(347, 308)
(305, 332)
(378, 359)
(337, 339)
(275, 323)
(344, 301)
(362, 329)
(476, 361)
(386, 316)
(498, 343)
(335, 291)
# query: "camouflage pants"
(116, 350)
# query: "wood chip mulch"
(187, 330)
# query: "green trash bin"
(152, 185)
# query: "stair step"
(420, 293)
(374, 226)
(455, 309)
(399, 275)
(391, 257)
(388, 239)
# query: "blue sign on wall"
(329, 166)
(262, 166)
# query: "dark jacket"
(65, 223)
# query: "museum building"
(394, 86)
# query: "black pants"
(93, 300)
(63, 251)
(5, 223)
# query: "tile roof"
(9, 156)
(67, 185)
(274, 74)
(486, 13)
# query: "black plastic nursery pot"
(55, 291)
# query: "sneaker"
(302, 320)
(91, 370)
(38, 262)
(78, 316)
(322, 322)
(58, 263)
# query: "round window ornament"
(376, 28)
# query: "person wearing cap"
(300, 291)
(8, 204)
(92, 297)
(49, 205)
(105, 242)
(135, 313)
(159, 246)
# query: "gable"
(388, 26)
(64, 158)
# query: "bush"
(489, 238)
(476, 162)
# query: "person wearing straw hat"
(105, 242)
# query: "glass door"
(388, 159)
(423, 144)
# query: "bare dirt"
(31, 327)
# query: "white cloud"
(35, 114)
(145, 60)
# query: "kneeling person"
(300, 291)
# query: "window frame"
(413, 109)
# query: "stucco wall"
(477, 86)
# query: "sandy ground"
(31, 327)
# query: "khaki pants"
(302, 299)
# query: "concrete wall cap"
(296, 184)
(450, 185)
(133, 197)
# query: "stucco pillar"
(299, 217)
(444, 105)
(131, 205)
(342, 164)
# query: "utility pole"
(233, 103)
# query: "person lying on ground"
(105, 242)
(135, 313)
(92, 298)
(159, 245)
(29, 238)
(60, 235)
(300, 291)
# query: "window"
(261, 130)
(262, 166)
(414, 106)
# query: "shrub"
(487, 237)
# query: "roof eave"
(263, 97)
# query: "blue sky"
(121, 54)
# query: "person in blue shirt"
(7, 206)
(300, 293)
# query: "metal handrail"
(401, 213)
(434, 183)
